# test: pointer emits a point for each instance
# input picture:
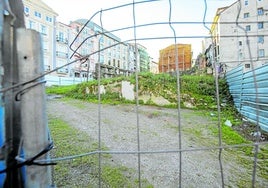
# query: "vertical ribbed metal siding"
(2, 109)
(250, 94)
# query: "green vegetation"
(197, 90)
(60, 90)
(69, 141)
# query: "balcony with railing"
(61, 54)
(61, 39)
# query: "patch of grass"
(60, 90)
(229, 136)
(114, 177)
(144, 183)
(70, 141)
(65, 141)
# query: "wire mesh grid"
(180, 160)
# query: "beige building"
(40, 17)
(240, 35)
(154, 67)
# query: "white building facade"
(40, 17)
(240, 35)
(64, 44)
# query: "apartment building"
(167, 58)
(40, 17)
(82, 43)
(62, 49)
(133, 65)
(154, 67)
(239, 35)
(107, 51)
(144, 60)
(63, 44)
(141, 61)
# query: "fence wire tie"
(25, 89)
(31, 161)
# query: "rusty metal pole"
(33, 106)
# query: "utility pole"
(22, 108)
(33, 112)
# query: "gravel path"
(157, 132)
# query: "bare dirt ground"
(158, 132)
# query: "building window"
(31, 24)
(101, 59)
(261, 39)
(260, 25)
(240, 43)
(37, 14)
(247, 66)
(45, 46)
(43, 30)
(26, 10)
(48, 19)
(260, 11)
(61, 36)
(246, 15)
(261, 53)
(246, 2)
(248, 28)
(240, 55)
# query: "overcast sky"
(145, 13)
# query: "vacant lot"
(158, 132)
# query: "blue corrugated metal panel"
(250, 93)
(234, 76)
(252, 98)
(259, 71)
(257, 78)
(2, 107)
(263, 121)
(234, 80)
(235, 91)
(235, 87)
(251, 109)
(256, 106)
(252, 90)
(260, 84)
(234, 71)
(2, 141)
